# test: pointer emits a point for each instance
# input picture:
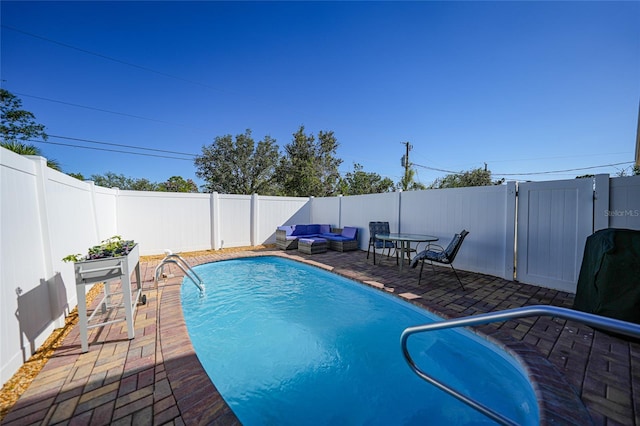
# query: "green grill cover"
(609, 281)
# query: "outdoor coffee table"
(312, 245)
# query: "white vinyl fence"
(46, 215)
(486, 212)
(623, 210)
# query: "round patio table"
(405, 241)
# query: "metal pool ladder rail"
(183, 265)
(596, 321)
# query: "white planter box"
(104, 270)
(108, 268)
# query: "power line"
(109, 58)
(557, 157)
(109, 111)
(111, 150)
(92, 108)
(121, 145)
(561, 171)
(437, 170)
(529, 173)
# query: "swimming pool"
(288, 343)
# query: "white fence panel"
(624, 203)
(554, 220)
(235, 220)
(275, 211)
(46, 215)
(359, 210)
(326, 210)
(165, 220)
(483, 211)
(105, 202)
(22, 268)
(71, 224)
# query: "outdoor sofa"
(338, 239)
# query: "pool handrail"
(183, 265)
(596, 321)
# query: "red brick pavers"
(581, 376)
(153, 379)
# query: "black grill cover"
(609, 281)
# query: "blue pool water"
(288, 344)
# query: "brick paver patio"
(581, 376)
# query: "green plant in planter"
(72, 258)
(111, 247)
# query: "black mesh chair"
(379, 228)
(441, 255)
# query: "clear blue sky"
(523, 86)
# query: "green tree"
(112, 180)
(408, 182)
(635, 171)
(28, 149)
(78, 176)
(239, 167)
(474, 177)
(360, 182)
(143, 184)
(309, 167)
(18, 126)
(178, 184)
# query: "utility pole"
(405, 162)
(638, 139)
(405, 158)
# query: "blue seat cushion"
(438, 256)
(310, 230)
(385, 244)
(300, 230)
(350, 232)
(312, 240)
(329, 235)
(313, 229)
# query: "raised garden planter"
(108, 265)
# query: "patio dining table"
(405, 241)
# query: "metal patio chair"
(440, 255)
(380, 228)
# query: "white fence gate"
(553, 222)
